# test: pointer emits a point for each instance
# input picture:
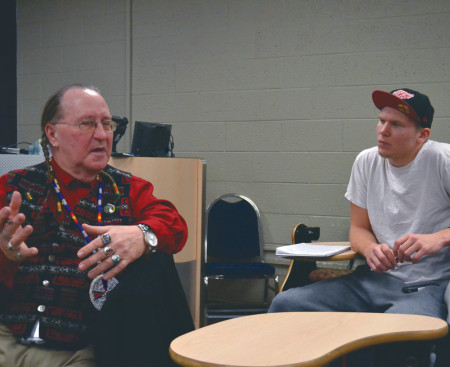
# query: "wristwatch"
(150, 238)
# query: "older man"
(71, 230)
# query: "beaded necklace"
(63, 201)
(109, 207)
(99, 287)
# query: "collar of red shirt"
(66, 181)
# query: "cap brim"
(385, 99)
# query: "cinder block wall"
(274, 95)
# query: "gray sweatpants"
(364, 291)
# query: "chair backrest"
(298, 271)
(302, 233)
(233, 230)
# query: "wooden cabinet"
(181, 181)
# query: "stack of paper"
(310, 250)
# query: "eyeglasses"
(88, 126)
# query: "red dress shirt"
(160, 215)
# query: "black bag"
(152, 140)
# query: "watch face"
(151, 239)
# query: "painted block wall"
(275, 95)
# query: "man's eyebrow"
(92, 118)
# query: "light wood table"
(297, 338)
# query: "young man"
(399, 193)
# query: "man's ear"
(424, 135)
(50, 131)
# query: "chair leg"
(205, 301)
(275, 289)
(266, 290)
(276, 284)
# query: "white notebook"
(310, 250)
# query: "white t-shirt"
(410, 199)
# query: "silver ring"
(115, 258)
(108, 251)
(10, 246)
(106, 238)
(19, 255)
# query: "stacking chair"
(301, 273)
(233, 251)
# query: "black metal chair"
(233, 251)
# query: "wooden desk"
(297, 274)
(297, 338)
(346, 255)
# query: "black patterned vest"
(49, 287)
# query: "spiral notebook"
(310, 250)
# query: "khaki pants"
(13, 354)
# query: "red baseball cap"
(410, 102)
